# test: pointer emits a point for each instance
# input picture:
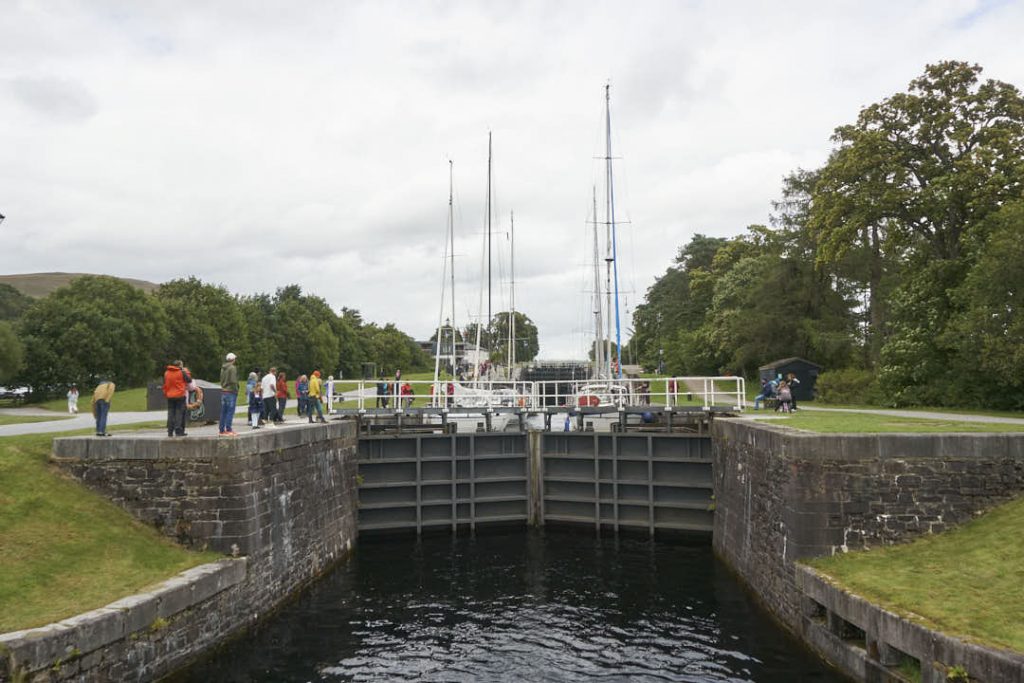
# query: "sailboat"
(453, 394)
(603, 389)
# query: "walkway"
(85, 420)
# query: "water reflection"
(520, 606)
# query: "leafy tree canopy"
(527, 343)
(12, 352)
(95, 327)
(12, 302)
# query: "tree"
(526, 342)
(95, 327)
(12, 352)
(301, 328)
(12, 302)
(987, 329)
(205, 323)
(676, 302)
(908, 180)
(391, 349)
(469, 334)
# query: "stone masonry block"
(139, 611)
(174, 595)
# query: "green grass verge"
(946, 411)
(837, 423)
(967, 582)
(24, 419)
(65, 549)
(125, 400)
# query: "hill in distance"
(40, 284)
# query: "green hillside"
(41, 284)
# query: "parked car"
(15, 394)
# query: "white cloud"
(260, 144)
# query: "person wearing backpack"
(176, 382)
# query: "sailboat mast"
(449, 256)
(611, 220)
(606, 366)
(488, 227)
(512, 295)
(598, 342)
(451, 250)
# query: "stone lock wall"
(282, 501)
(781, 496)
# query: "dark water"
(520, 606)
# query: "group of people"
(400, 389)
(781, 390)
(179, 388)
(267, 396)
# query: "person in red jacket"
(176, 382)
(282, 395)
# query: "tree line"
(102, 327)
(898, 265)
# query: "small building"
(806, 372)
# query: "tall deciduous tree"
(12, 302)
(527, 343)
(676, 303)
(205, 322)
(95, 327)
(988, 328)
(12, 352)
(916, 171)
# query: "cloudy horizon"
(256, 147)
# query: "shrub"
(849, 385)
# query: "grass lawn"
(968, 581)
(65, 549)
(22, 419)
(948, 411)
(833, 423)
(125, 400)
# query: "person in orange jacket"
(176, 382)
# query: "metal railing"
(692, 392)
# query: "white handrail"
(703, 392)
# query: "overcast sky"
(257, 144)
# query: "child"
(253, 400)
(302, 394)
(785, 397)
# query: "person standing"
(316, 390)
(329, 387)
(791, 380)
(382, 392)
(101, 399)
(73, 399)
(269, 393)
(251, 385)
(282, 395)
(302, 395)
(228, 394)
(176, 382)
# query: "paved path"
(85, 420)
(80, 421)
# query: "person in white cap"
(228, 394)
